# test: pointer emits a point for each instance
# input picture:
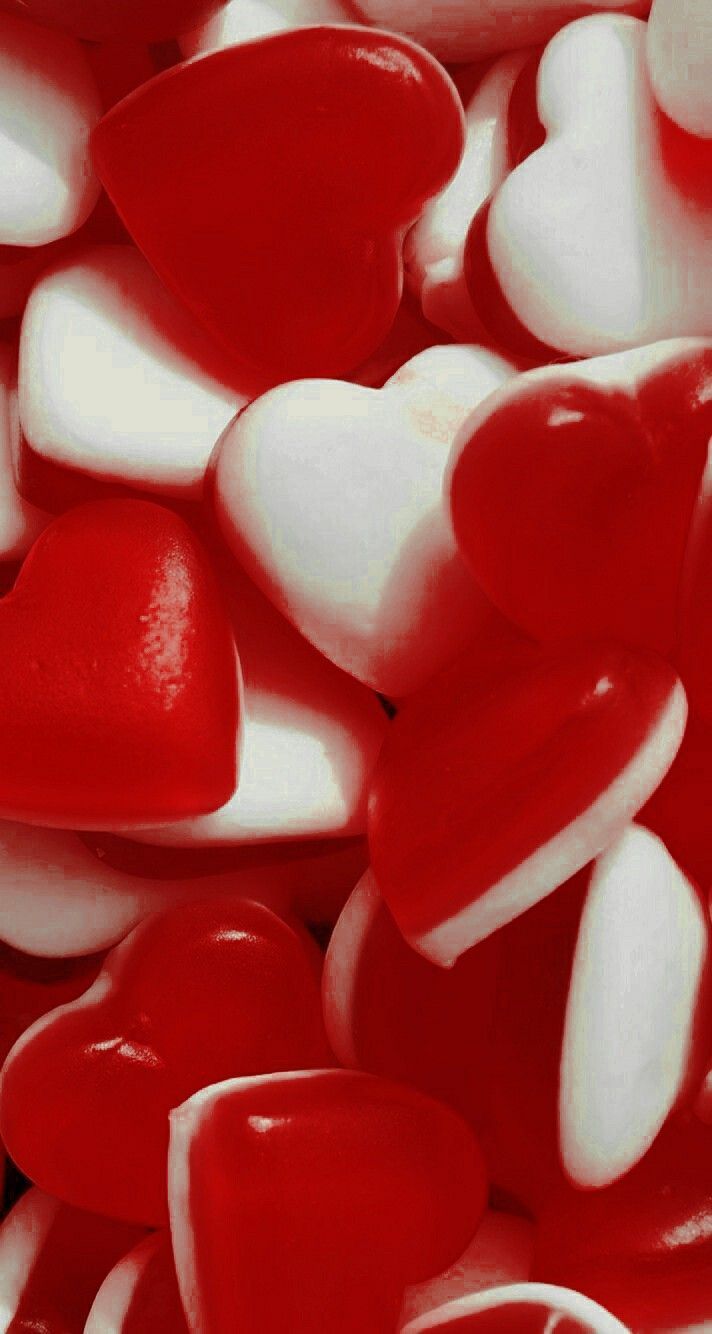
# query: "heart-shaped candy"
(301, 216)
(586, 269)
(20, 523)
(679, 47)
(678, 810)
(190, 997)
(49, 102)
(642, 1246)
(53, 1259)
(636, 1035)
(140, 1295)
(527, 1308)
(309, 737)
(117, 381)
(482, 803)
(103, 20)
(117, 677)
(573, 491)
(310, 1200)
(332, 497)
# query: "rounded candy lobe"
(577, 739)
(192, 996)
(20, 522)
(50, 187)
(30, 987)
(679, 50)
(305, 279)
(105, 20)
(117, 677)
(636, 1037)
(574, 490)
(309, 1200)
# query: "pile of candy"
(356, 666)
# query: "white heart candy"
(331, 495)
(310, 738)
(245, 20)
(116, 380)
(49, 103)
(680, 61)
(20, 523)
(642, 955)
(596, 243)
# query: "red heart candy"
(53, 1259)
(192, 996)
(679, 809)
(642, 1246)
(296, 193)
(117, 674)
(518, 1308)
(572, 496)
(308, 1201)
(102, 20)
(484, 802)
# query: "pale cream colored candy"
(244, 20)
(500, 1252)
(49, 103)
(460, 30)
(20, 523)
(594, 243)
(642, 955)
(433, 249)
(310, 739)
(115, 378)
(332, 495)
(553, 1304)
(680, 61)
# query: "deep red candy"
(195, 995)
(309, 1201)
(104, 20)
(484, 802)
(140, 1295)
(296, 192)
(572, 503)
(117, 674)
(642, 1247)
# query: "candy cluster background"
(356, 666)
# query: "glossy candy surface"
(578, 740)
(310, 1200)
(30, 987)
(635, 267)
(192, 996)
(336, 115)
(117, 677)
(332, 497)
(574, 490)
